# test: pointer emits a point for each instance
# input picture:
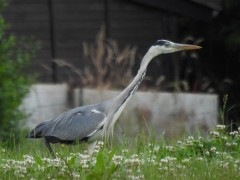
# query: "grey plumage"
(80, 122)
(76, 125)
(91, 122)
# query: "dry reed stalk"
(108, 66)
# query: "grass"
(214, 157)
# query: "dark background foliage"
(221, 56)
(219, 62)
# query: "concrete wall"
(44, 102)
(173, 114)
(169, 113)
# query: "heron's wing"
(75, 124)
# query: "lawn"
(216, 156)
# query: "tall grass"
(216, 156)
(106, 65)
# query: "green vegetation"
(214, 157)
(14, 82)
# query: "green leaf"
(38, 160)
(100, 164)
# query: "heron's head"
(164, 46)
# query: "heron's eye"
(159, 43)
(167, 44)
(164, 43)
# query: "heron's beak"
(181, 47)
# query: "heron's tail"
(36, 132)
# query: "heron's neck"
(121, 100)
(133, 86)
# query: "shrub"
(14, 82)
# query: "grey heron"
(92, 122)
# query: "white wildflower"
(207, 153)
(233, 133)
(229, 157)
(138, 170)
(221, 127)
(168, 159)
(75, 175)
(190, 138)
(171, 158)
(225, 165)
(180, 167)
(179, 142)
(164, 160)
(139, 177)
(3, 150)
(133, 161)
(170, 148)
(151, 160)
(95, 151)
(134, 156)
(164, 168)
(29, 160)
(117, 160)
(98, 147)
(224, 138)
(85, 166)
(233, 144)
(16, 172)
(199, 159)
(228, 144)
(185, 161)
(213, 149)
(129, 171)
(150, 145)
(200, 145)
(214, 134)
(40, 168)
(156, 149)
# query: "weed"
(212, 157)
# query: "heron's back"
(77, 123)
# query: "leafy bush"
(14, 82)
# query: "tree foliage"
(14, 82)
(223, 44)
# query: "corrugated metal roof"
(203, 10)
(214, 4)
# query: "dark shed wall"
(76, 21)
(140, 25)
(31, 19)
